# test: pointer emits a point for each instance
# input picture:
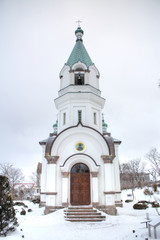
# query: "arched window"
(80, 168)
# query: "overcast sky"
(122, 38)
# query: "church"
(80, 164)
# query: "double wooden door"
(80, 187)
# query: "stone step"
(83, 214)
(80, 207)
(80, 210)
(85, 219)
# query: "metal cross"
(78, 22)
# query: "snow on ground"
(36, 226)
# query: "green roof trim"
(79, 53)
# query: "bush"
(140, 206)
(23, 212)
(147, 192)
(128, 201)
(29, 210)
(8, 220)
(20, 204)
(36, 200)
(155, 204)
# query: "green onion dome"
(55, 125)
(104, 124)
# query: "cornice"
(108, 158)
(52, 159)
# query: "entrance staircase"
(83, 214)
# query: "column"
(117, 178)
(65, 188)
(95, 199)
(43, 178)
(51, 180)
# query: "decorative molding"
(108, 158)
(65, 174)
(83, 154)
(111, 192)
(51, 193)
(52, 159)
(94, 174)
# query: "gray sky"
(122, 38)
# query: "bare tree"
(133, 174)
(35, 177)
(154, 157)
(14, 175)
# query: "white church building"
(80, 164)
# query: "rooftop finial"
(79, 22)
(103, 117)
(79, 31)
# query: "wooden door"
(80, 185)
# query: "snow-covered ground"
(36, 226)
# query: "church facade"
(80, 164)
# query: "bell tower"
(79, 97)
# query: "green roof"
(79, 53)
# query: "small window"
(64, 118)
(95, 118)
(79, 115)
(79, 79)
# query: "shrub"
(128, 201)
(29, 210)
(8, 220)
(155, 204)
(36, 200)
(140, 206)
(23, 212)
(20, 204)
(147, 192)
(154, 186)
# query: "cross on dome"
(79, 22)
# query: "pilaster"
(109, 186)
(51, 180)
(95, 199)
(65, 178)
